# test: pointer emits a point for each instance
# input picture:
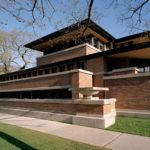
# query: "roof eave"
(70, 28)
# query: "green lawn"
(136, 126)
(16, 138)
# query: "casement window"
(97, 43)
(40, 72)
(47, 71)
(34, 73)
(80, 65)
(70, 66)
(29, 74)
(54, 69)
(62, 68)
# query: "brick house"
(72, 59)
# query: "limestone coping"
(125, 69)
(127, 76)
(37, 88)
(100, 101)
(118, 70)
(90, 89)
(71, 48)
(66, 101)
(49, 75)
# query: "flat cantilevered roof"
(92, 25)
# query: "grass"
(136, 126)
(16, 138)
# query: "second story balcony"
(69, 53)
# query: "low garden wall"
(132, 91)
(98, 114)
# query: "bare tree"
(40, 12)
(134, 13)
(13, 56)
(28, 11)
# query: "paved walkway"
(98, 137)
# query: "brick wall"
(131, 92)
(74, 78)
(95, 65)
(81, 79)
(46, 81)
(59, 107)
(73, 52)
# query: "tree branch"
(89, 15)
(137, 11)
(32, 10)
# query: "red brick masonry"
(70, 108)
(131, 91)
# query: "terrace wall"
(40, 81)
(74, 78)
(73, 52)
(131, 91)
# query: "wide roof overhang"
(140, 54)
(140, 51)
(69, 32)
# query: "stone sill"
(65, 101)
(127, 76)
(38, 88)
(123, 70)
(49, 75)
(71, 48)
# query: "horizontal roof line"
(103, 53)
(65, 30)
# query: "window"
(11, 77)
(1, 78)
(80, 65)
(34, 73)
(122, 45)
(29, 74)
(19, 76)
(40, 72)
(7, 78)
(144, 69)
(15, 76)
(62, 68)
(70, 66)
(126, 44)
(101, 47)
(24, 75)
(147, 68)
(47, 71)
(97, 43)
(4, 78)
(54, 69)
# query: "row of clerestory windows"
(43, 71)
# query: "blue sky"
(108, 19)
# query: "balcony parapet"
(48, 75)
(69, 53)
(56, 81)
(127, 76)
(122, 71)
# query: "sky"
(107, 18)
(104, 14)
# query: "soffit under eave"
(69, 36)
(140, 54)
